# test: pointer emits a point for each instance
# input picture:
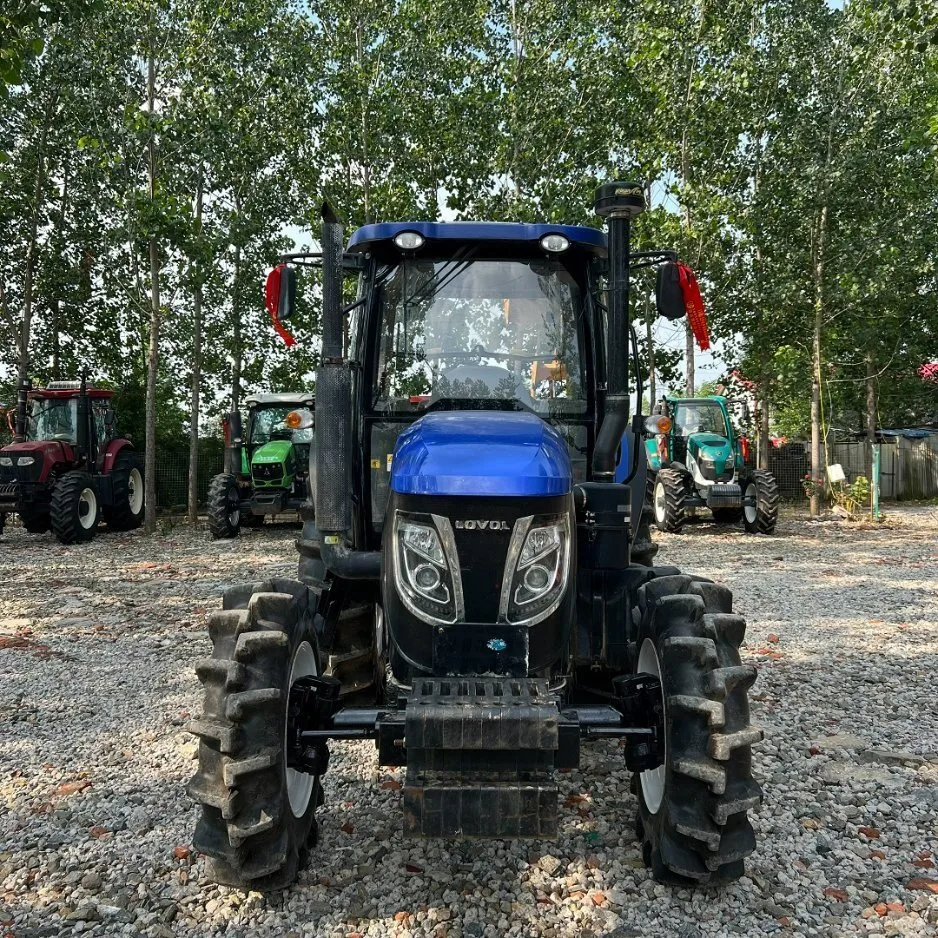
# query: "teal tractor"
(699, 461)
(266, 470)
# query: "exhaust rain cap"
(620, 200)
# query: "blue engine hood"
(481, 453)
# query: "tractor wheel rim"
(87, 508)
(661, 502)
(652, 781)
(135, 491)
(299, 784)
(751, 503)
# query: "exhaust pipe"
(22, 408)
(332, 452)
(83, 436)
(234, 440)
(619, 202)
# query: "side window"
(99, 411)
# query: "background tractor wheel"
(669, 497)
(693, 809)
(36, 522)
(74, 512)
(127, 511)
(257, 819)
(762, 517)
(727, 515)
(224, 507)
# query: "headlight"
(6, 461)
(536, 570)
(298, 419)
(425, 569)
(25, 461)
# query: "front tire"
(74, 511)
(761, 517)
(692, 815)
(36, 522)
(670, 495)
(258, 815)
(127, 511)
(224, 507)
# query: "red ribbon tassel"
(272, 302)
(693, 303)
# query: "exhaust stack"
(22, 405)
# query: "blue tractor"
(468, 595)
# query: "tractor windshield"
(700, 417)
(268, 424)
(480, 330)
(53, 418)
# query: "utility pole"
(689, 358)
(651, 352)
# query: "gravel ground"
(96, 684)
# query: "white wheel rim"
(87, 508)
(299, 784)
(652, 781)
(751, 510)
(135, 491)
(661, 502)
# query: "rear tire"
(670, 494)
(258, 815)
(764, 516)
(74, 512)
(127, 511)
(692, 816)
(224, 507)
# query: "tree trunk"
(153, 357)
(870, 415)
(764, 443)
(39, 185)
(817, 473)
(196, 381)
(236, 333)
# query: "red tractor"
(66, 468)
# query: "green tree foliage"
(788, 149)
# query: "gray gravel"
(96, 683)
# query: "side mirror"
(280, 298)
(669, 297)
(109, 422)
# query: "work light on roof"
(555, 243)
(409, 240)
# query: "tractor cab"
(474, 590)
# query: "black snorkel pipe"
(83, 436)
(333, 423)
(619, 203)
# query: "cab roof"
(591, 239)
(66, 393)
(292, 399)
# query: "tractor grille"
(268, 472)
(21, 473)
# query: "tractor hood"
(276, 451)
(711, 446)
(46, 454)
(481, 453)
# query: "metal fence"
(172, 474)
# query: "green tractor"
(698, 461)
(266, 471)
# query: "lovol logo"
(482, 526)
